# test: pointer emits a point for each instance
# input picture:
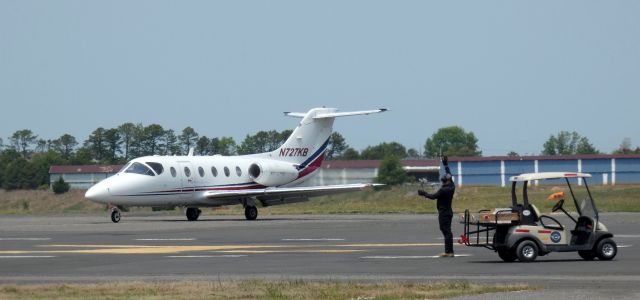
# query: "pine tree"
(60, 186)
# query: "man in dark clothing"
(444, 196)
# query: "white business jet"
(190, 181)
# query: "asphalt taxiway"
(41, 249)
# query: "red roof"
(83, 169)
(372, 164)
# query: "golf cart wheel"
(507, 255)
(606, 249)
(527, 251)
(587, 254)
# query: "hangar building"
(81, 177)
(606, 169)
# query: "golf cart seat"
(528, 218)
(535, 212)
(580, 234)
(552, 223)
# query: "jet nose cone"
(97, 193)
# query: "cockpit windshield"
(156, 167)
(138, 168)
(124, 168)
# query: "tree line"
(26, 158)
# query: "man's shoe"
(446, 254)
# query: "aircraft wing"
(285, 193)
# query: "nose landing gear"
(115, 214)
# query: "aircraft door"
(188, 179)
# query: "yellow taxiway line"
(173, 249)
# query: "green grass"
(398, 199)
(253, 289)
(404, 199)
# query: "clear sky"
(513, 72)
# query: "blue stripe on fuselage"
(315, 155)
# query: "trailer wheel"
(527, 251)
(587, 254)
(606, 249)
(507, 254)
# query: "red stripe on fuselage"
(312, 166)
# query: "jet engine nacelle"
(272, 173)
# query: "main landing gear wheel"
(251, 212)
(193, 213)
(115, 215)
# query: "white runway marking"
(635, 236)
(394, 257)
(179, 239)
(319, 239)
(410, 257)
(457, 255)
(24, 239)
(206, 256)
(26, 256)
(625, 246)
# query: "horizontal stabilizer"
(295, 114)
(336, 114)
(349, 113)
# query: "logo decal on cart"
(556, 236)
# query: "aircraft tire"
(115, 216)
(193, 213)
(251, 213)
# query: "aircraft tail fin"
(309, 140)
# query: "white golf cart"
(522, 232)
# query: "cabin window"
(238, 171)
(138, 168)
(173, 171)
(214, 171)
(201, 171)
(187, 172)
(156, 167)
(226, 172)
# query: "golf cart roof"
(548, 175)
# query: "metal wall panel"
(517, 167)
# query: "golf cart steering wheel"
(558, 205)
